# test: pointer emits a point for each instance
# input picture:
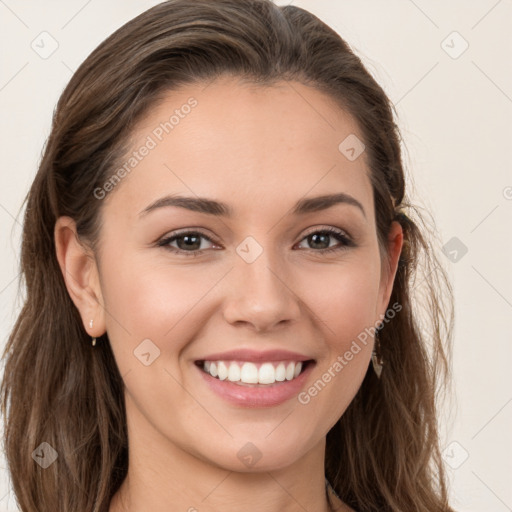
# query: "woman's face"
(248, 287)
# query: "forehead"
(245, 144)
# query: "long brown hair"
(383, 454)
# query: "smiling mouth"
(248, 373)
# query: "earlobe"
(395, 243)
(80, 274)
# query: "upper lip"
(256, 356)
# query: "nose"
(261, 295)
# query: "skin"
(259, 150)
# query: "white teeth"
(234, 372)
(267, 374)
(248, 373)
(222, 370)
(280, 372)
(290, 371)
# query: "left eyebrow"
(315, 204)
(211, 207)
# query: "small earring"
(93, 339)
(377, 360)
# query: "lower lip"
(257, 396)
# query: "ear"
(389, 267)
(80, 272)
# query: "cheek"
(148, 299)
(153, 300)
(345, 298)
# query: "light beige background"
(455, 115)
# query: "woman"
(219, 259)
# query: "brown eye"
(319, 240)
(187, 243)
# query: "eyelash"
(339, 235)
